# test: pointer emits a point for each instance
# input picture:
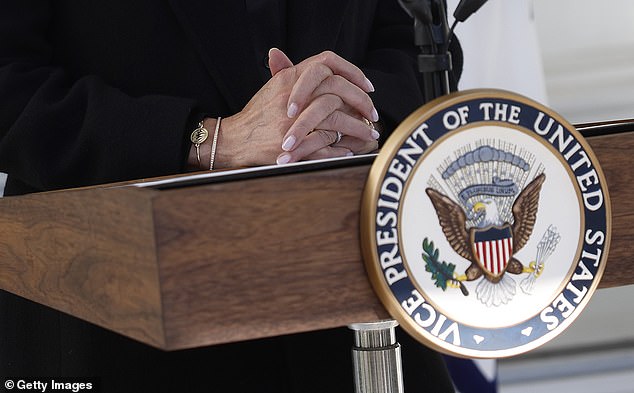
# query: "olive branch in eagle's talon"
(441, 272)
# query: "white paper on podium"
(260, 171)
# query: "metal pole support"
(376, 358)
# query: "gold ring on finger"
(369, 123)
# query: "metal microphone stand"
(431, 35)
(376, 358)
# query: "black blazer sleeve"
(391, 64)
(57, 131)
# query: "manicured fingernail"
(369, 86)
(283, 158)
(292, 110)
(375, 134)
(288, 143)
(375, 115)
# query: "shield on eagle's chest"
(493, 248)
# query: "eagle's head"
(491, 215)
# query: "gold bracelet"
(198, 136)
(214, 144)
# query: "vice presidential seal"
(485, 224)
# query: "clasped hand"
(297, 113)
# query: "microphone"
(466, 8)
(430, 35)
(433, 36)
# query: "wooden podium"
(225, 261)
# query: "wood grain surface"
(615, 155)
(88, 253)
(263, 258)
(225, 262)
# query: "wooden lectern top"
(209, 263)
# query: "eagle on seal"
(491, 244)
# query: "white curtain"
(501, 49)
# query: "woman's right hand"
(324, 93)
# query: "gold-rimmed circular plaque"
(485, 224)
